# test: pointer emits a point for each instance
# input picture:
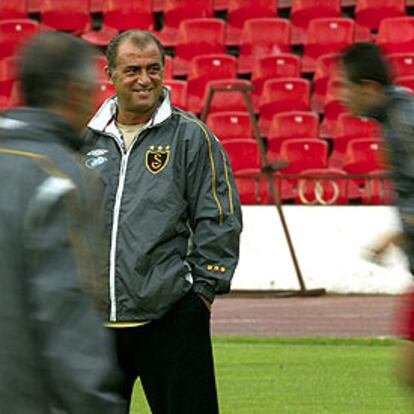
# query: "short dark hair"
(139, 38)
(47, 65)
(365, 61)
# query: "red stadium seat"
(282, 95)
(369, 13)
(228, 100)
(197, 37)
(327, 67)
(348, 128)
(239, 11)
(304, 153)
(303, 11)
(158, 6)
(285, 4)
(256, 43)
(178, 90)
(364, 155)
(244, 155)
(128, 14)
(34, 6)
(100, 38)
(203, 69)
(121, 16)
(231, 125)
(326, 35)
(284, 65)
(68, 16)
(95, 6)
(301, 154)
(16, 9)
(332, 107)
(169, 68)
(252, 190)
(402, 64)
(8, 75)
(176, 11)
(245, 160)
(396, 35)
(105, 90)
(328, 187)
(221, 5)
(14, 33)
(291, 125)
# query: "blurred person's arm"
(75, 351)
(384, 243)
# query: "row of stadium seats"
(294, 125)
(361, 156)
(270, 96)
(206, 36)
(75, 15)
(286, 86)
(308, 158)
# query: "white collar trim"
(104, 119)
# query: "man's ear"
(109, 74)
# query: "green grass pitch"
(304, 376)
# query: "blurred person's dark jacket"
(55, 355)
(397, 119)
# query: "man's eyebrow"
(151, 65)
(132, 67)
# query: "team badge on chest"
(157, 158)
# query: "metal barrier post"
(268, 170)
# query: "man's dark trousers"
(173, 358)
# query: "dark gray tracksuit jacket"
(173, 211)
(55, 354)
(397, 118)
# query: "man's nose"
(143, 78)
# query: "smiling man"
(173, 225)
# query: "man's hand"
(382, 246)
(206, 302)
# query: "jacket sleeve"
(74, 349)
(215, 214)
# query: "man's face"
(137, 77)
(362, 98)
(353, 96)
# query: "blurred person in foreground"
(55, 354)
(368, 91)
(173, 220)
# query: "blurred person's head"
(365, 75)
(136, 62)
(57, 72)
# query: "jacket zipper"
(115, 222)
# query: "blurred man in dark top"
(55, 356)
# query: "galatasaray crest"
(157, 158)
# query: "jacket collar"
(42, 125)
(104, 119)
